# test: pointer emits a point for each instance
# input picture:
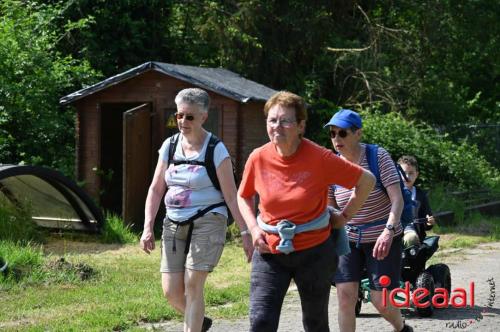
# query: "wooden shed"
(122, 121)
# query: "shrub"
(440, 159)
(16, 224)
(34, 129)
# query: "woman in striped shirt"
(374, 231)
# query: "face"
(282, 126)
(345, 139)
(411, 174)
(189, 118)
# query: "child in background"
(415, 233)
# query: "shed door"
(136, 162)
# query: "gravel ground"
(479, 265)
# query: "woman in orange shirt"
(291, 235)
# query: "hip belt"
(360, 228)
(189, 222)
(286, 230)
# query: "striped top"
(377, 206)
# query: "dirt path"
(478, 265)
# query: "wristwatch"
(390, 227)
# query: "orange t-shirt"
(295, 187)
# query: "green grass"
(16, 224)
(115, 231)
(23, 260)
(125, 291)
(468, 233)
(473, 230)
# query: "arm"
(362, 189)
(258, 236)
(333, 208)
(425, 209)
(384, 241)
(356, 177)
(153, 200)
(228, 187)
(333, 202)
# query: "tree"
(33, 76)
(432, 60)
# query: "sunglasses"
(179, 116)
(342, 133)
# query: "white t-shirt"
(189, 187)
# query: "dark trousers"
(271, 274)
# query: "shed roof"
(218, 80)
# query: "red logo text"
(457, 298)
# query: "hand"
(259, 240)
(431, 220)
(337, 219)
(147, 242)
(246, 240)
(383, 244)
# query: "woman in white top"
(189, 189)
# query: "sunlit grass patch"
(125, 292)
(116, 231)
(471, 231)
(457, 240)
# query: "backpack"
(209, 164)
(407, 215)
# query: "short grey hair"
(194, 96)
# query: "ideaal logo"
(457, 298)
(440, 299)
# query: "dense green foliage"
(440, 159)
(460, 165)
(433, 61)
(33, 76)
(426, 59)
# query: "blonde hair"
(288, 99)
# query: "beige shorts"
(205, 250)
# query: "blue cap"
(345, 119)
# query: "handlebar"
(420, 220)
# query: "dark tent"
(55, 200)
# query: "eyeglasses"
(179, 116)
(342, 133)
(285, 123)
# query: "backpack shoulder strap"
(209, 161)
(171, 148)
(372, 158)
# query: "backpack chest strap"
(188, 162)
